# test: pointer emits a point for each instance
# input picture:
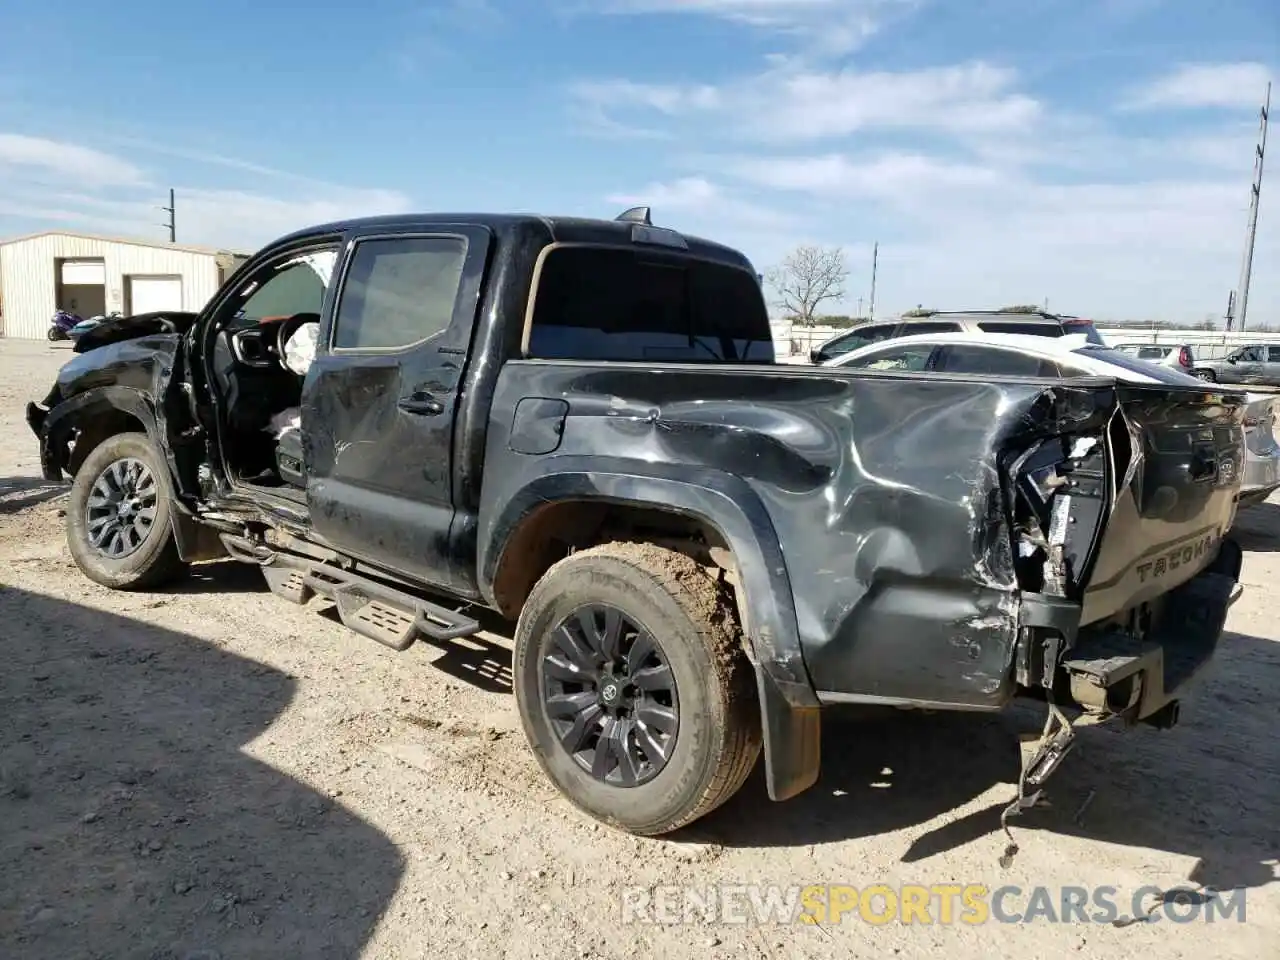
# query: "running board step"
(370, 608)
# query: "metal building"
(90, 275)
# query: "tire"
(694, 632)
(54, 334)
(1206, 375)
(154, 560)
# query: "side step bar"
(372, 609)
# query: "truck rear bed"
(928, 526)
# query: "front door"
(379, 401)
(1271, 369)
(1248, 365)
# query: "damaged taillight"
(1061, 489)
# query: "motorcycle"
(69, 326)
(61, 324)
(84, 326)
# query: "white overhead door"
(84, 273)
(151, 294)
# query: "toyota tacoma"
(580, 425)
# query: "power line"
(172, 224)
(875, 262)
(1246, 268)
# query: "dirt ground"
(213, 772)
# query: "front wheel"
(633, 689)
(119, 519)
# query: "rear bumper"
(1111, 671)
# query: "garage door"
(149, 294)
(84, 273)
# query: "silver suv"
(968, 321)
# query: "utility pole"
(875, 262)
(1246, 269)
(860, 308)
(173, 233)
(1231, 310)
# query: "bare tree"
(807, 278)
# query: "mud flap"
(792, 741)
(195, 541)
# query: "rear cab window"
(621, 304)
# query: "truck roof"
(558, 229)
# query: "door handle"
(422, 404)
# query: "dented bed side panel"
(884, 493)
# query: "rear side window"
(993, 361)
(856, 340)
(1088, 329)
(1045, 328)
(912, 358)
(911, 329)
(601, 303)
(1151, 353)
(398, 292)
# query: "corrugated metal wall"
(27, 276)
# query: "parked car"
(1262, 452)
(969, 321)
(1256, 363)
(579, 424)
(1180, 356)
(1003, 355)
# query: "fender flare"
(788, 704)
(194, 541)
(55, 432)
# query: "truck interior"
(261, 347)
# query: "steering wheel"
(286, 330)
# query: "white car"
(1016, 355)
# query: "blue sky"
(1094, 153)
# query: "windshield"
(1134, 365)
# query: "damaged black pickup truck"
(579, 424)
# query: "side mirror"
(1233, 358)
(816, 357)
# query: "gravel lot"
(212, 772)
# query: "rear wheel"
(119, 519)
(633, 690)
(1206, 375)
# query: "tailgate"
(1145, 510)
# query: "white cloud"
(893, 176)
(43, 182)
(1204, 85)
(823, 27)
(790, 105)
(37, 157)
(701, 200)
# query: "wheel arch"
(91, 417)
(88, 419)
(540, 522)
